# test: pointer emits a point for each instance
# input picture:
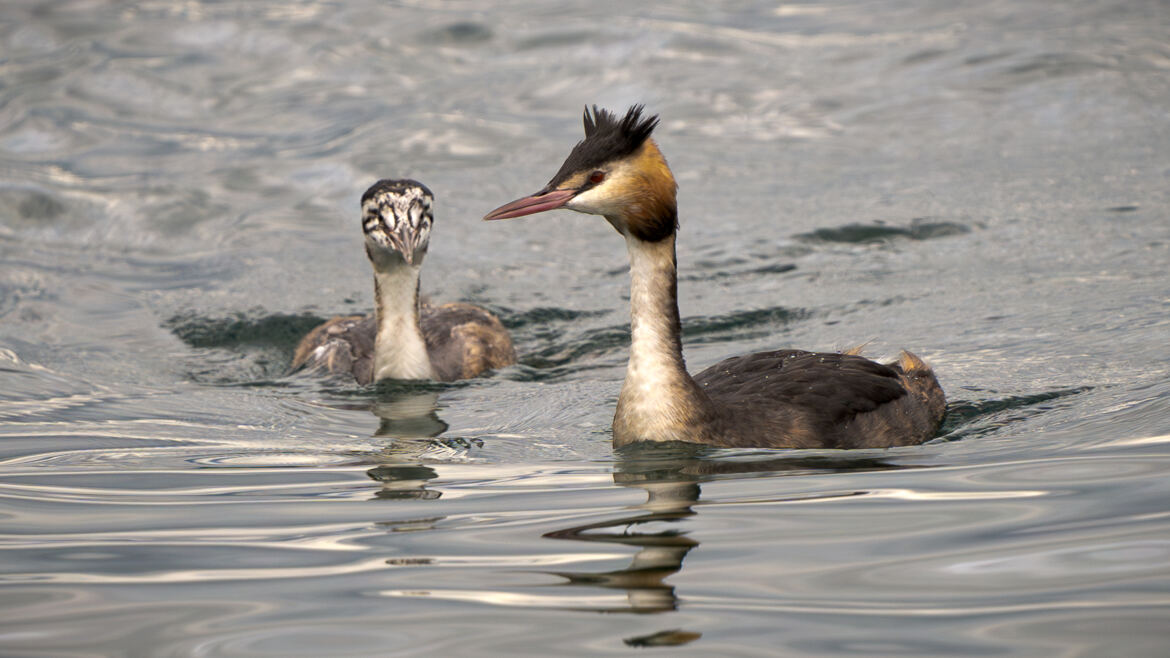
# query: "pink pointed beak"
(531, 205)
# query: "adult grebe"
(404, 339)
(782, 399)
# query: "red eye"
(596, 177)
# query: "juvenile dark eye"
(596, 177)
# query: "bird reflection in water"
(411, 419)
(671, 477)
(655, 530)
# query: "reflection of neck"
(659, 400)
(661, 548)
(399, 349)
(408, 416)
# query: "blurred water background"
(983, 183)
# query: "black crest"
(606, 138)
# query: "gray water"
(985, 184)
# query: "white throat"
(399, 349)
(659, 400)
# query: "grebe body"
(404, 339)
(781, 399)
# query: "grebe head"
(396, 218)
(617, 171)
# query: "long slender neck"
(399, 349)
(659, 400)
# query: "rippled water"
(986, 185)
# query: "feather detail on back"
(343, 345)
(463, 341)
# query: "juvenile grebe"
(781, 399)
(404, 339)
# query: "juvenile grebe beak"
(406, 240)
(530, 205)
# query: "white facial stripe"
(606, 198)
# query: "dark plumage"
(404, 339)
(607, 138)
(462, 340)
(821, 400)
(781, 399)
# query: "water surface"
(178, 205)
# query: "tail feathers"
(856, 350)
(922, 411)
(909, 362)
(920, 381)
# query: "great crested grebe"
(781, 399)
(404, 339)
